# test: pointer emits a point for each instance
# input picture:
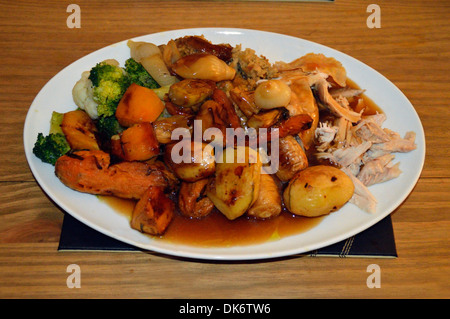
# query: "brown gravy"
(215, 230)
(369, 106)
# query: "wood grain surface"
(411, 49)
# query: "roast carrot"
(136, 143)
(138, 104)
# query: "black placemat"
(377, 241)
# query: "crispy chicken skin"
(91, 172)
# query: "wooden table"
(411, 49)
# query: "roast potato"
(153, 212)
(135, 143)
(79, 130)
(165, 126)
(190, 161)
(192, 200)
(235, 186)
(318, 190)
(190, 92)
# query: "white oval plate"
(348, 221)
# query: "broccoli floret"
(139, 75)
(110, 83)
(49, 148)
(108, 126)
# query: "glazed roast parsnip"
(292, 158)
(268, 203)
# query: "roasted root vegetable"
(218, 112)
(292, 158)
(164, 127)
(294, 125)
(203, 66)
(208, 116)
(170, 53)
(245, 100)
(79, 130)
(141, 49)
(264, 119)
(174, 109)
(153, 212)
(235, 186)
(227, 111)
(287, 128)
(192, 199)
(136, 143)
(190, 92)
(91, 172)
(190, 160)
(268, 203)
(318, 190)
(162, 91)
(138, 104)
